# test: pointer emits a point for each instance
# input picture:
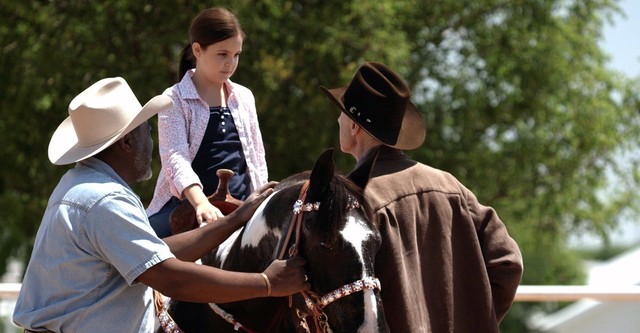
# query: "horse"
(337, 240)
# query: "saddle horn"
(183, 217)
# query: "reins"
(311, 300)
(296, 221)
(167, 323)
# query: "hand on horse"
(287, 277)
(206, 212)
(245, 211)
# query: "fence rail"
(575, 293)
(9, 290)
(524, 293)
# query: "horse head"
(339, 243)
(322, 217)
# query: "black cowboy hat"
(378, 100)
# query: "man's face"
(346, 138)
(144, 150)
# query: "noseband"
(315, 304)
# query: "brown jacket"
(447, 263)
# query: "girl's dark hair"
(210, 26)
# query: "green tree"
(518, 102)
(50, 52)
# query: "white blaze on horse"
(320, 216)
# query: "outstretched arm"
(205, 211)
(194, 244)
(191, 282)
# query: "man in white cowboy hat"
(96, 256)
(447, 263)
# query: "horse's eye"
(326, 245)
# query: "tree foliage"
(516, 96)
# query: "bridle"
(314, 303)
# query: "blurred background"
(533, 105)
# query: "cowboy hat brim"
(64, 147)
(412, 132)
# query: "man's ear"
(126, 142)
(355, 128)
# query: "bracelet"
(266, 280)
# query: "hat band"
(99, 141)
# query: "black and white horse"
(338, 242)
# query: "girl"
(212, 125)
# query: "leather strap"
(296, 221)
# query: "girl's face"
(218, 61)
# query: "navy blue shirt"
(221, 149)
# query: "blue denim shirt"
(93, 242)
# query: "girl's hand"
(206, 212)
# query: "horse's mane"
(293, 179)
(334, 204)
(342, 194)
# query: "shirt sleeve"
(260, 158)
(246, 118)
(173, 145)
(501, 254)
(118, 231)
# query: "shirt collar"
(102, 167)
(188, 88)
(381, 152)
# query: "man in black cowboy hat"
(95, 254)
(447, 263)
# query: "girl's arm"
(205, 211)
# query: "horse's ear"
(321, 176)
(362, 174)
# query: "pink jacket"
(180, 132)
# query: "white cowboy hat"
(98, 117)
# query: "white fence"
(575, 293)
(8, 295)
(9, 291)
(526, 293)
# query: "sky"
(623, 45)
(621, 42)
(621, 39)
